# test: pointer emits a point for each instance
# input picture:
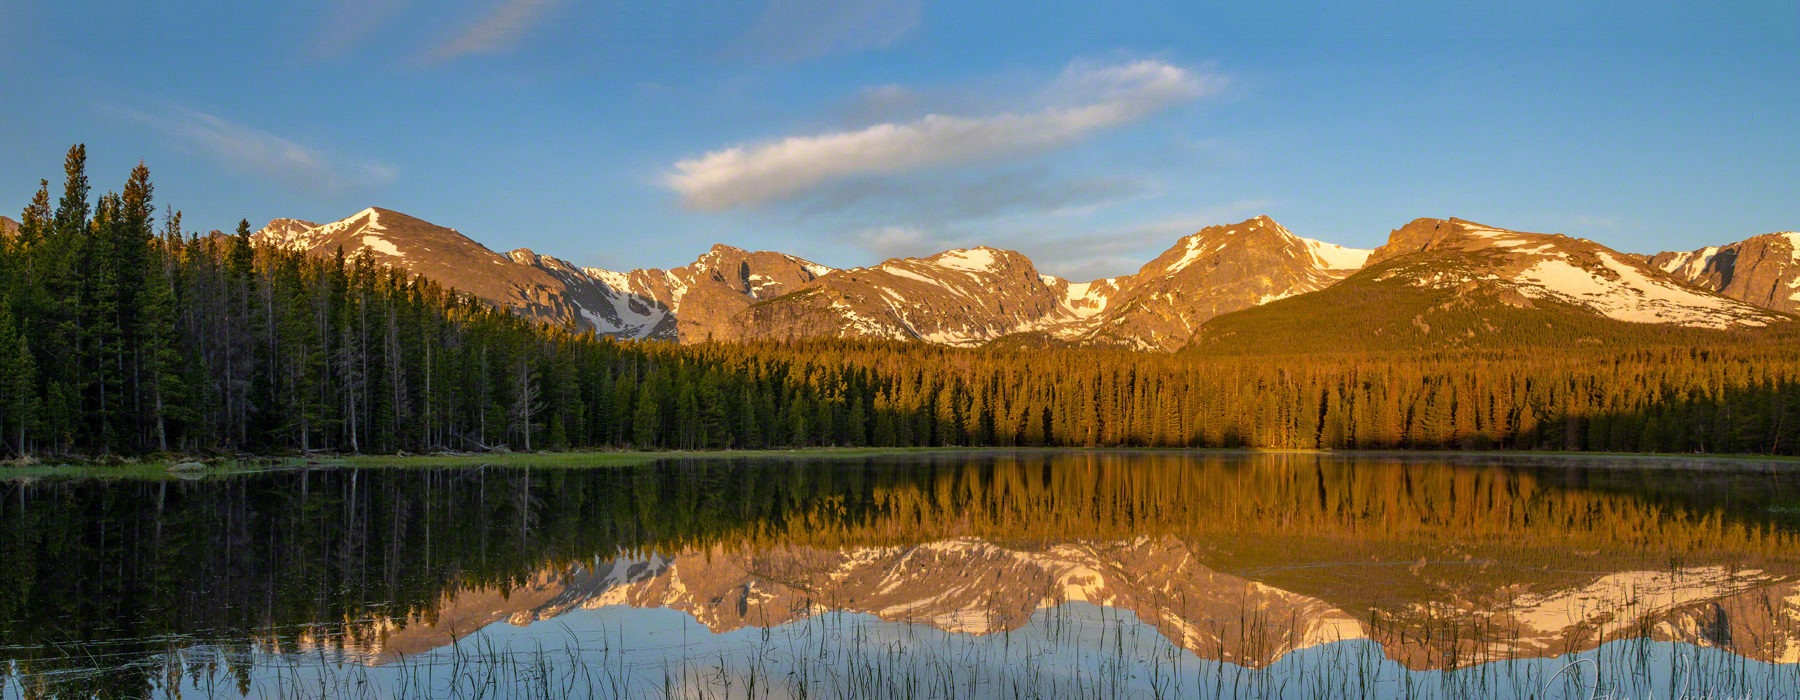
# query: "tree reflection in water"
(1262, 562)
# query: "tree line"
(121, 333)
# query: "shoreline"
(162, 468)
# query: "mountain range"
(975, 586)
(1249, 285)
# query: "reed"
(1068, 651)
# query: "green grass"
(148, 470)
(616, 458)
(158, 469)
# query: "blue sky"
(1087, 135)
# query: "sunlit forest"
(121, 333)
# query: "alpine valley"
(1252, 286)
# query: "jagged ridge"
(985, 295)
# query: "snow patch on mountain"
(613, 280)
(1087, 299)
(900, 271)
(286, 234)
(381, 245)
(1331, 256)
(1690, 264)
(1194, 252)
(968, 260)
(1620, 291)
(1643, 593)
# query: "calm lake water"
(1029, 574)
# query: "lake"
(951, 574)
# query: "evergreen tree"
(18, 391)
(646, 420)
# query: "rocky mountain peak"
(1216, 270)
(721, 250)
(8, 227)
(971, 296)
(1454, 283)
(1422, 234)
(1433, 234)
(291, 234)
(984, 260)
(1762, 270)
(1259, 233)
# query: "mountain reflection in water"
(1256, 562)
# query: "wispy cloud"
(938, 198)
(242, 149)
(1093, 254)
(496, 31)
(905, 241)
(1084, 100)
(350, 23)
(1123, 249)
(797, 30)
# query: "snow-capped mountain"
(296, 234)
(1762, 270)
(701, 300)
(446, 256)
(957, 297)
(970, 297)
(976, 586)
(1217, 270)
(1556, 268)
(980, 295)
(638, 304)
(1455, 283)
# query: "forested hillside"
(122, 334)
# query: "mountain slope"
(1762, 270)
(971, 297)
(704, 297)
(640, 304)
(946, 584)
(1435, 283)
(977, 586)
(1453, 283)
(1217, 270)
(444, 255)
(958, 297)
(8, 227)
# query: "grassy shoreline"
(160, 468)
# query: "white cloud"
(1088, 255)
(350, 23)
(243, 149)
(1084, 100)
(934, 199)
(1123, 249)
(905, 241)
(497, 31)
(797, 30)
